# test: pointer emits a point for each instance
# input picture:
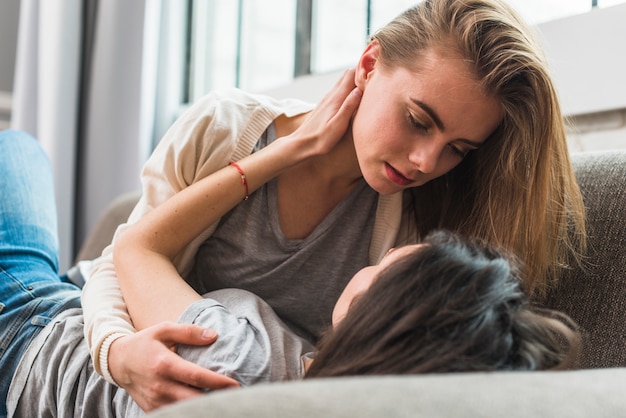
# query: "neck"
(339, 167)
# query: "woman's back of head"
(452, 306)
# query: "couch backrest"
(595, 295)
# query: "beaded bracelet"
(244, 181)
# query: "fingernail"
(208, 334)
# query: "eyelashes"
(423, 128)
(417, 125)
(459, 153)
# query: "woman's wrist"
(102, 365)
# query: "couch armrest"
(100, 236)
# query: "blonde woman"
(448, 120)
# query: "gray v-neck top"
(301, 279)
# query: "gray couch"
(594, 296)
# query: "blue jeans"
(31, 292)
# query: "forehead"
(433, 56)
(446, 73)
(396, 254)
(447, 83)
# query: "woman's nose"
(425, 156)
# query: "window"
(248, 44)
(252, 44)
(259, 45)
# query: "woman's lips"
(396, 177)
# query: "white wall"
(587, 56)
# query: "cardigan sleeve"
(219, 127)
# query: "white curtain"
(85, 87)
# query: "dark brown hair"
(451, 306)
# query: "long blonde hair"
(518, 190)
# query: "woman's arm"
(144, 253)
(153, 289)
(155, 384)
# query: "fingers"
(346, 80)
(350, 104)
(175, 368)
(180, 370)
(328, 123)
(340, 121)
(146, 365)
(160, 393)
(347, 97)
(175, 379)
(342, 88)
(173, 333)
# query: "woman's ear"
(367, 64)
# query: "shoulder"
(253, 344)
(220, 126)
(223, 309)
(241, 104)
(242, 303)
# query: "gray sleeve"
(253, 344)
(240, 351)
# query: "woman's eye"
(457, 151)
(417, 124)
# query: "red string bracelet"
(243, 177)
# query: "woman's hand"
(328, 123)
(146, 365)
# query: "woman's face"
(363, 279)
(415, 125)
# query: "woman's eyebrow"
(435, 117)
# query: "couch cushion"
(578, 394)
(595, 295)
